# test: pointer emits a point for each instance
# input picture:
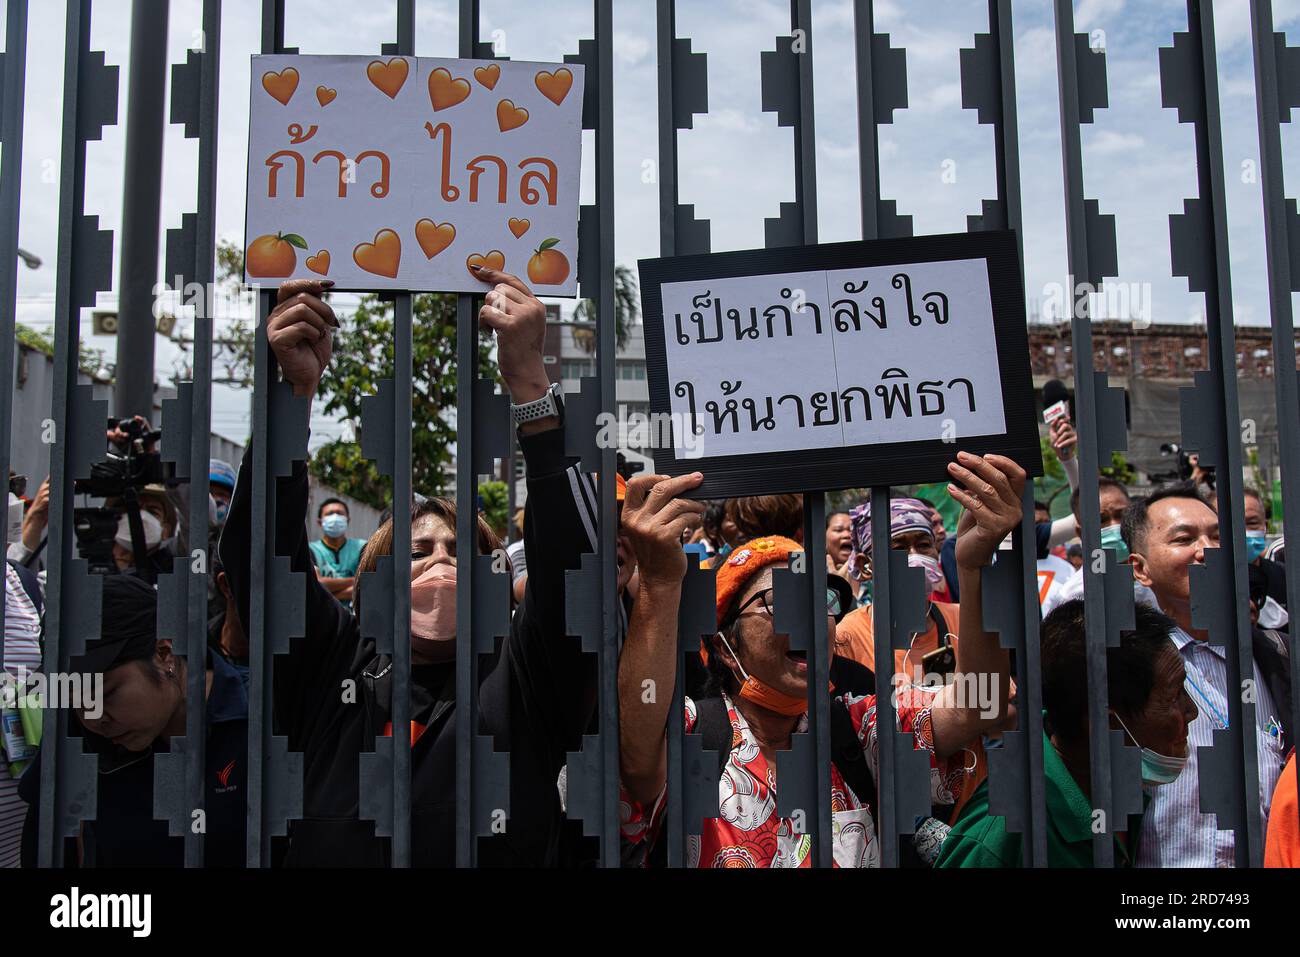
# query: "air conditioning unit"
(103, 323)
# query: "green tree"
(496, 505)
(363, 356)
(626, 310)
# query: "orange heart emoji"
(320, 263)
(387, 77)
(381, 256)
(488, 75)
(509, 116)
(444, 91)
(555, 86)
(281, 85)
(434, 237)
(519, 226)
(325, 96)
(495, 259)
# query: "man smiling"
(1166, 533)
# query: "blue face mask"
(1256, 542)
(334, 525)
(1111, 538)
(1157, 768)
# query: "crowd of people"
(747, 690)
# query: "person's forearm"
(959, 718)
(339, 587)
(647, 673)
(1062, 531)
(1071, 467)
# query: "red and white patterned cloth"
(749, 834)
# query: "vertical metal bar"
(402, 499)
(882, 616)
(1081, 270)
(805, 141)
(864, 28)
(1274, 104)
(260, 654)
(606, 347)
(869, 192)
(141, 200)
(1006, 144)
(666, 37)
(11, 170)
(1223, 373)
(989, 85)
(84, 258)
(200, 423)
(402, 401)
(466, 372)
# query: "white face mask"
(152, 531)
(933, 570)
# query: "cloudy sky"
(737, 164)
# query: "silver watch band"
(537, 409)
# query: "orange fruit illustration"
(548, 266)
(495, 259)
(509, 116)
(433, 237)
(281, 85)
(444, 91)
(555, 86)
(320, 263)
(325, 96)
(272, 257)
(388, 77)
(381, 256)
(519, 226)
(488, 75)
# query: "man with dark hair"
(1167, 532)
(334, 555)
(1267, 577)
(1042, 513)
(1147, 701)
(1113, 499)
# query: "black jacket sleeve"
(307, 681)
(542, 693)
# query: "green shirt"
(340, 564)
(980, 839)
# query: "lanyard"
(1218, 715)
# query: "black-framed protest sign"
(844, 365)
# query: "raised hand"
(1064, 439)
(990, 493)
(300, 330)
(653, 522)
(519, 320)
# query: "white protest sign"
(846, 357)
(839, 366)
(400, 172)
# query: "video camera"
(128, 468)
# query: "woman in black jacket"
(536, 696)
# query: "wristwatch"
(552, 403)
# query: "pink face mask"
(433, 613)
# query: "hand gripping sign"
(399, 173)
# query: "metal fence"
(1199, 251)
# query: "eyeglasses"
(764, 598)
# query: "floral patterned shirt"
(747, 832)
